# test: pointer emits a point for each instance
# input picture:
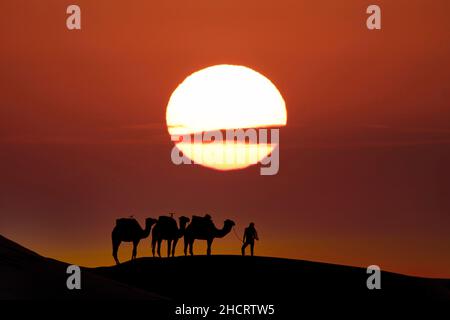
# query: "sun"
(224, 97)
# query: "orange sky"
(364, 172)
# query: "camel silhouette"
(129, 230)
(166, 229)
(202, 228)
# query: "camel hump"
(167, 220)
(201, 221)
(197, 218)
(126, 222)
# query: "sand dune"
(215, 280)
(26, 275)
(235, 279)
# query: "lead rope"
(236, 235)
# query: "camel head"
(149, 222)
(183, 220)
(229, 223)
(227, 227)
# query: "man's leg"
(252, 246)
(243, 248)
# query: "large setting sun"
(225, 97)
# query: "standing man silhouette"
(250, 235)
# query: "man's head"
(252, 225)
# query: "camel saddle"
(201, 220)
(126, 222)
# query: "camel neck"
(220, 233)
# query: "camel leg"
(174, 245)
(169, 246)
(186, 243)
(134, 254)
(115, 244)
(153, 246)
(191, 247)
(208, 251)
(243, 248)
(159, 248)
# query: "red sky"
(364, 172)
